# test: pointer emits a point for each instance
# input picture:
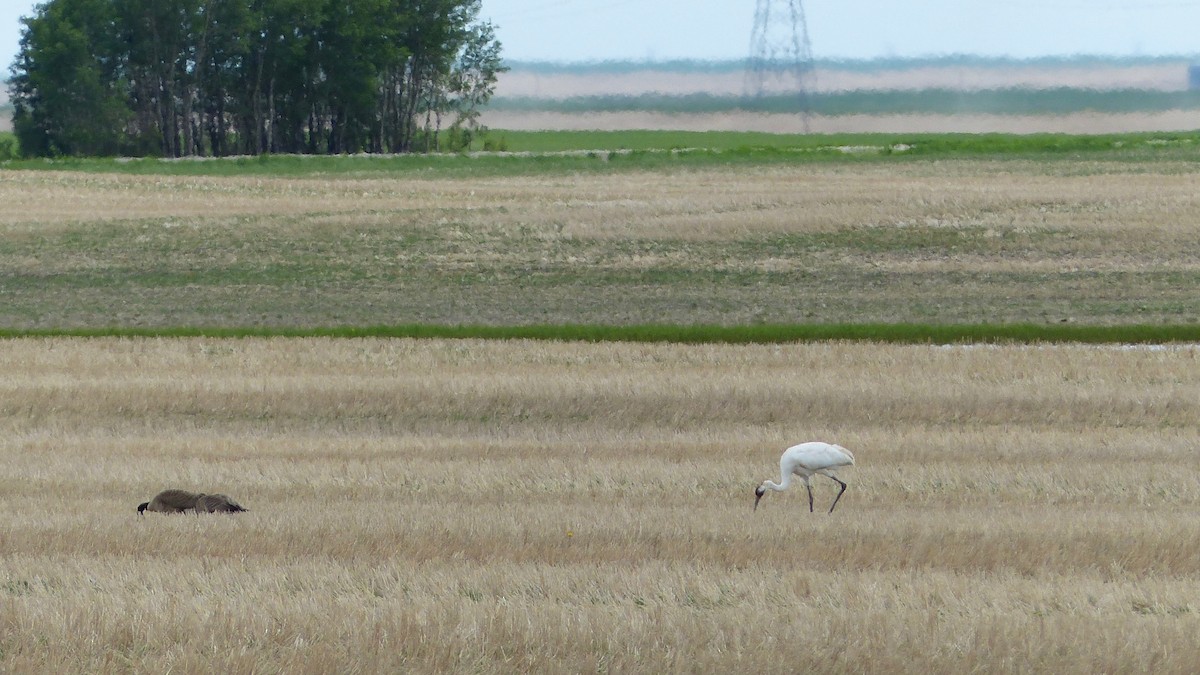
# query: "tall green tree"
(473, 78)
(67, 83)
(220, 73)
(215, 77)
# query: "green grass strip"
(566, 152)
(702, 334)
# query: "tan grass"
(427, 506)
(1136, 200)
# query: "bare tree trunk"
(257, 104)
(190, 141)
(272, 142)
(186, 115)
(170, 118)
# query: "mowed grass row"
(449, 505)
(900, 333)
(1097, 243)
(516, 152)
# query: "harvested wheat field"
(956, 241)
(424, 506)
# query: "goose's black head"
(142, 507)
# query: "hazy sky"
(720, 29)
(587, 30)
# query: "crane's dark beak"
(758, 493)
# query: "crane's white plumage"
(804, 460)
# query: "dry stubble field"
(966, 241)
(423, 506)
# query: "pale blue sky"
(590, 30)
(720, 29)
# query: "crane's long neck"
(784, 482)
(771, 485)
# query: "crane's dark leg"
(839, 496)
(810, 501)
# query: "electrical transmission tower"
(781, 60)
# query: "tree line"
(177, 78)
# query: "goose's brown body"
(178, 501)
(217, 504)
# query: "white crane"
(804, 460)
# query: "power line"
(781, 57)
